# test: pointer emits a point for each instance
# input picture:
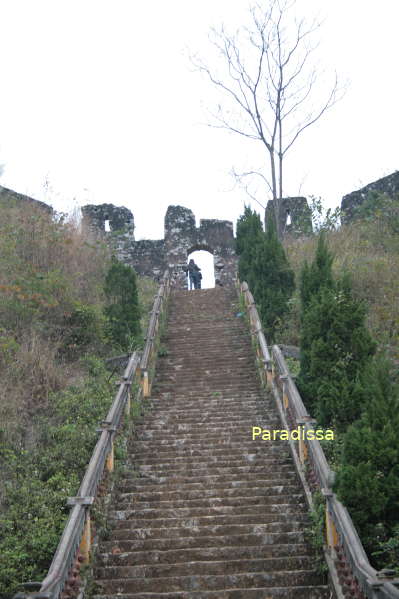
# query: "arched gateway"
(152, 257)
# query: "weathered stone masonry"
(352, 201)
(151, 257)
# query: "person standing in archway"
(192, 270)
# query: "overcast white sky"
(97, 96)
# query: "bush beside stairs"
(205, 512)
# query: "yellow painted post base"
(303, 451)
(109, 464)
(128, 405)
(285, 396)
(145, 384)
(269, 376)
(331, 531)
(85, 543)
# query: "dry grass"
(368, 250)
(46, 267)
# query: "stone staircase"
(207, 513)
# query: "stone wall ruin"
(181, 237)
(352, 201)
(299, 213)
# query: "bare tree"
(270, 80)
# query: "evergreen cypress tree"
(335, 344)
(249, 233)
(264, 265)
(123, 310)
(313, 279)
(368, 478)
(340, 350)
(318, 275)
(273, 281)
(248, 227)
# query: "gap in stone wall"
(204, 260)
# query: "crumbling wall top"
(352, 201)
(119, 218)
(179, 220)
(295, 215)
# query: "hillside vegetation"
(60, 314)
(368, 250)
(345, 318)
(343, 313)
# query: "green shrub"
(273, 281)
(37, 482)
(85, 328)
(335, 344)
(122, 311)
(368, 477)
(264, 266)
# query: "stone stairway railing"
(63, 578)
(357, 577)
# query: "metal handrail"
(370, 583)
(76, 526)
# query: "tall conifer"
(122, 311)
(264, 265)
(335, 344)
(249, 232)
(273, 281)
(368, 478)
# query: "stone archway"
(207, 281)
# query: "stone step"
(165, 408)
(220, 514)
(151, 473)
(207, 522)
(202, 448)
(213, 401)
(249, 480)
(211, 582)
(195, 432)
(190, 530)
(218, 459)
(208, 425)
(204, 494)
(130, 500)
(300, 592)
(153, 470)
(208, 568)
(245, 538)
(173, 556)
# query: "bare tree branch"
(239, 179)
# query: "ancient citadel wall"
(352, 201)
(181, 237)
(294, 215)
